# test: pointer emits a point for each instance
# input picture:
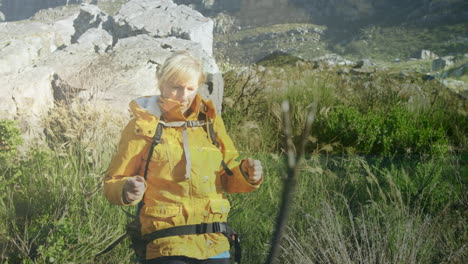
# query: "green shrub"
(10, 140)
(358, 48)
(397, 131)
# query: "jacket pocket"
(165, 215)
(219, 210)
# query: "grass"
(352, 205)
(391, 42)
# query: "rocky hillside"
(335, 12)
(391, 33)
(384, 30)
(85, 55)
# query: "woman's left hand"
(253, 169)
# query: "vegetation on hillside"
(382, 43)
(387, 43)
(384, 180)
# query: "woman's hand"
(133, 189)
(253, 170)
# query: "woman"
(192, 163)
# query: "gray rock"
(2, 17)
(26, 97)
(365, 63)
(224, 24)
(442, 63)
(456, 85)
(64, 30)
(332, 60)
(163, 18)
(460, 71)
(91, 16)
(427, 55)
(97, 39)
(22, 44)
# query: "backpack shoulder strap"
(156, 140)
(209, 129)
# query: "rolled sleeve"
(235, 183)
(124, 164)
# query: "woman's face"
(181, 91)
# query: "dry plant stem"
(291, 180)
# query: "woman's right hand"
(134, 188)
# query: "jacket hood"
(149, 107)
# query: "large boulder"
(427, 55)
(459, 71)
(27, 97)
(442, 63)
(64, 30)
(163, 18)
(24, 43)
(90, 16)
(457, 86)
(364, 63)
(97, 39)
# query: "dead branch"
(294, 161)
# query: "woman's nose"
(182, 94)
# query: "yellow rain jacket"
(170, 198)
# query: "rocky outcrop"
(458, 72)
(442, 63)
(24, 9)
(224, 24)
(164, 19)
(91, 16)
(332, 60)
(27, 97)
(87, 57)
(427, 55)
(97, 39)
(22, 44)
(364, 63)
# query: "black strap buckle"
(202, 228)
(219, 228)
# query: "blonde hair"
(180, 66)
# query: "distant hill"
(336, 12)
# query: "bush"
(10, 140)
(391, 133)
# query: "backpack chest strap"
(190, 123)
(185, 143)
